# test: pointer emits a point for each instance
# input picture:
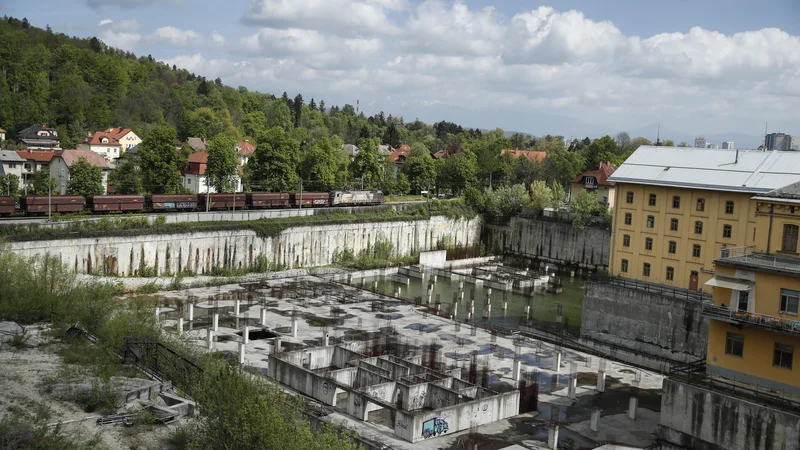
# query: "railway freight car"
(220, 201)
(170, 202)
(356, 198)
(8, 206)
(310, 199)
(41, 204)
(260, 200)
(109, 203)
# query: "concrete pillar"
(572, 274)
(237, 306)
(488, 292)
(527, 312)
(438, 307)
(557, 362)
(435, 278)
(455, 310)
(263, 316)
(461, 295)
(472, 306)
(573, 388)
(294, 327)
(241, 353)
(180, 326)
(210, 339)
(397, 292)
(277, 343)
(516, 370)
(633, 403)
(246, 335)
(191, 312)
(594, 425)
(552, 437)
(327, 339)
(408, 281)
(505, 305)
(487, 312)
(375, 285)
(157, 312)
(469, 315)
(215, 322)
(601, 381)
(430, 297)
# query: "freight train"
(101, 204)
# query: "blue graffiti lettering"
(434, 427)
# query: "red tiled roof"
(72, 156)
(532, 155)
(245, 148)
(602, 174)
(113, 135)
(399, 156)
(405, 147)
(2, 130)
(41, 156)
(197, 163)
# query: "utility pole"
(208, 194)
(300, 203)
(49, 198)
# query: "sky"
(725, 69)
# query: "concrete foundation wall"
(552, 242)
(700, 419)
(200, 252)
(648, 323)
(461, 417)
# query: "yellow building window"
(673, 225)
(782, 357)
(670, 273)
(701, 204)
(676, 202)
(734, 344)
(651, 222)
(624, 266)
(626, 240)
(648, 243)
(790, 233)
(729, 207)
(695, 251)
(789, 301)
(646, 269)
(628, 218)
(698, 227)
(727, 231)
(652, 200)
(629, 197)
(673, 247)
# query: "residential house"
(10, 164)
(111, 144)
(351, 150)
(244, 151)
(753, 331)
(677, 208)
(35, 160)
(2, 135)
(40, 137)
(385, 150)
(398, 158)
(62, 162)
(195, 178)
(595, 181)
(532, 155)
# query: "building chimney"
(44, 125)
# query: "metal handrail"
(653, 288)
(755, 318)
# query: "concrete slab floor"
(346, 314)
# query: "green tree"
(298, 109)
(223, 166)
(541, 196)
(584, 206)
(43, 183)
(126, 178)
(9, 185)
(419, 149)
(601, 150)
(161, 162)
(321, 163)
(668, 143)
(278, 114)
(505, 202)
(85, 179)
(459, 171)
(421, 171)
(367, 166)
(391, 136)
(559, 195)
(273, 166)
(403, 186)
(253, 124)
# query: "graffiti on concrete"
(325, 387)
(402, 424)
(434, 427)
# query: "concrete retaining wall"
(643, 323)
(693, 417)
(199, 252)
(551, 242)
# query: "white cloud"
(129, 4)
(120, 34)
(105, 22)
(217, 38)
(176, 36)
(310, 48)
(453, 29)
(341, 17)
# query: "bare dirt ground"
(23, 374)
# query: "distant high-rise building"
(728, 145)
(711, 146)
(700, 142)
(778, 141)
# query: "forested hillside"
(78, 85)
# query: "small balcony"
(733, 316)
(746, 258)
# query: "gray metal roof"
(713, 169)
(11, 156)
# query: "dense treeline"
(78, 85)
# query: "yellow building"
(677, 208)
(754, 327)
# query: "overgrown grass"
(265, 228)
(380, 254)
(404, 198)
(24, 429)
